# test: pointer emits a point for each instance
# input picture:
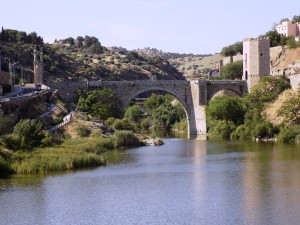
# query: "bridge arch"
(225, 92)
(229, 87)
(126, 100)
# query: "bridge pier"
(197, 118)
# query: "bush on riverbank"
(241, 118)
(288, 134)
(125, 138)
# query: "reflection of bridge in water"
(193, 95)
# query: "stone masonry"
(256, 60)
(193, 95)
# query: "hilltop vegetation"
(82, 58)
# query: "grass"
(72, 154)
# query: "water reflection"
(181, 182)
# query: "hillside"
(82, 58)
(190, 65)
(284, 59)
(271, 109)
(196, 66)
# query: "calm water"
(181, 182)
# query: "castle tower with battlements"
(38, 65)
(256, 60)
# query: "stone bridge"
(193, 95)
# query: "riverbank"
(72, 154)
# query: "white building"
(288, 28)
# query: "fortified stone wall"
(229, 59)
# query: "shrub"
(226, 108)
(125, 138)
(287, 134)
(82, 131)
(241, 133)
(96, 133)
(268, 89)
(264, 129)
(102, 145)
(146, 123)
(51, 139)
(133, 113)
(110, 121)
(290, 111)
(181, 126)
(232, 71)
(26, 135)
(123, 124)
(221, 128)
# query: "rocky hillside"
(284, 60)
(83, 58)
(190, 65)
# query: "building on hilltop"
(38, 65)
(288, 28)
(256, 60)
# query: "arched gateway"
(193, 95)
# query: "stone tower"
(256, 60)
(38, 68)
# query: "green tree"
(153, 102)
(27, 134)
(92, 45)
(226, 108)
(101, 103)
(296, 18)
(165, 115)
(232, 71)
(134, 113)
(233, 49)
(274, 38)
(291, 43)
(221, 128)
(290, 110)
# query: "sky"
(179, 26)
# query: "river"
(180, 182)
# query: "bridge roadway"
(193, 95)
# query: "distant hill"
(190, 65)
(81, 58)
